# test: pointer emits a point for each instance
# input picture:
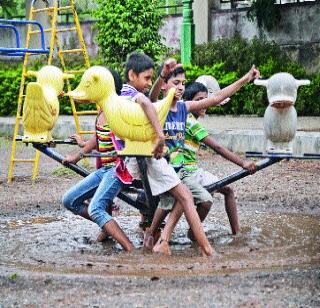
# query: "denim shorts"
(102, 186)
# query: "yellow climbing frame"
(55, 50)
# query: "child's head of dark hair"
(138, 63)
(193, 89)
(177, 71)
(117, 80)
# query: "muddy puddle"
(66, 244)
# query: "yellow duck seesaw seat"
(126, 119)
(41, 105)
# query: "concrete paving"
(240, 134)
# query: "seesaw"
(128, 122)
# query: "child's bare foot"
(148, 240)
(162, 246)
(208, 251)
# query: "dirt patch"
(49, 256)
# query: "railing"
(242, 3)
(171, 9)
(85, 8)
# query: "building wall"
(298, 31)
(171, 31)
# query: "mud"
(49, 257)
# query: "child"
(175, 137)
(196, 134)
(101, 140)
(162, 177)
(101, 185)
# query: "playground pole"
(187, 33)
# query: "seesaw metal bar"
(211, 188)
(283, 156)
(264, 163)
(241, 174)
(43, 148)
(271, 158)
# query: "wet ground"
(49, 257)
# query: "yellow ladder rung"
(74, 71)
(24, 160)
(27, 75)
(89, 112)
(38, 31)
(67, 29)
(46, 9)
(71, 50)
(83, 132)
(64, 8)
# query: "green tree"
(11, 8)
(128, 25)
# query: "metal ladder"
(52, 12)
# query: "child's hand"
(168, 66)
(250, 166)
(61, 94)
(78, 139)
(159, 147)
(252, 74)
(71, 159)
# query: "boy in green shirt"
(197, 134)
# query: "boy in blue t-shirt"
(162, 177)
(174, 130)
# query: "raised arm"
(224, 152)
(168, 66)
(223, 93)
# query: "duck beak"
(77, 95)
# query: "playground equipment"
(97, 84)
(130, 194)
(34, 29)
(280, 117)
(41, 105)
(126, 120)
(18, 50)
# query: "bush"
(9, 89)
(10, 79)
(226, 60)
(126, 26)
(236, 56)
(239, 54)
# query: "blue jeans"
(102, 186)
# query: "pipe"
(83, 172)
(241, 174)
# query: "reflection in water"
(13, 224)
(266, 241)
